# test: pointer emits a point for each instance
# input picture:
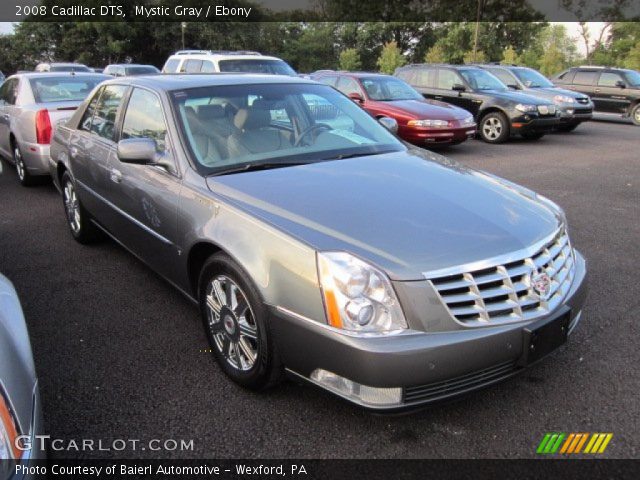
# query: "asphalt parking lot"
(119, 352)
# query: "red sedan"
(420, 121)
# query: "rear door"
(423, 79)
(146, 197)
(8, 95)
(612, 97)
(584, 82)
(92, 147)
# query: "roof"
(126, 65)
(449, 65)
(63, 64)
(169, 81)
(222, 55)
(355, 74)
(59, 74)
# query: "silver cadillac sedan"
(315, 242)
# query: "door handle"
(597, 90)
(73, 152)
(438, 97)
(116, 175)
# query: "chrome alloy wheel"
(232, 323)
(72, 207)
(20, 168)
(492, 128)
(636, 115)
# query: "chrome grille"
(583, 100)
(503, 292)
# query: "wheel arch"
(196, 258)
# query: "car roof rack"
(593, 66)
(217, 52)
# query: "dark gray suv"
(315, 242)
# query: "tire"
(240, 336)
(532, 135)
(78, 219)
(25, 178)
(494, 127)
(635, 115)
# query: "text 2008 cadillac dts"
(315, 242)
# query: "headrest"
(254, 117)
(210, 112)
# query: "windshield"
(482, 80)
(231, 126)
(633, 78)
(69, 68)
(531, 78)
(63, 89)
(277, 67)
(140, 70)
(384, 89)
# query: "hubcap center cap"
(229, 324)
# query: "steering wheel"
(308, 130)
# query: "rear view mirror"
(458, 87)
(356, 97)
(621, 84)
(389, 123)
(141, 151)
(513, 86)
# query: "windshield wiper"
(343, 156)
(249, 167)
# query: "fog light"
(570, 111)
(368, 396)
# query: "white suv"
(208, 61)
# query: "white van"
(208, 61)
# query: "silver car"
(327, 250)
(31, 104)
(20, 409)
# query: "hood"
(550, 92)
(427, 109)
(406, 212)
(516, 97)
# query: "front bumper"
(575, 116)
(534, 124)
(428, 367)
(437, 136)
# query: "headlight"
(8, 435)
(428, 123)
(526, 108)
(468, 121)
(559, 99)
(357, 296)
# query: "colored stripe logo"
(573, 443)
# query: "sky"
(572, 29)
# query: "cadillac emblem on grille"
(541, 284)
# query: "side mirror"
(356, 97)
(513, 86)
(389, 123)
(621, 84)
(141, 151)
(458, 87)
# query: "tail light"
(43, 127)
(9, 433)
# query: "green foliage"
(478, 57)
(435, 54)
(390, 58)
(510, 56)
(350, 60)
(633, 58)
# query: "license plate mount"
(542, 337)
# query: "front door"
(611, 94)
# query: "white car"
(208, 61)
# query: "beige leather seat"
(207, 144)
(254, 132)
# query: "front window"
(531, 78)
(62, 89)
(482, 80)
(277, 67)
(385, 89)
(236, 127)
(633, 78)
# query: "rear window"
(62, 89)
(140, 70)
(171, 66)
(277, 67)
(69, 68)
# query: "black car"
(613, 90)
(574, 107)
(499, 112)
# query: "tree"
(510, 57)
(633, 59)
(390, 58)
(350, 60)
(435, 55)
(552, 61)
(479, 57)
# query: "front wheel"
(494, 128)
(237, 326)
(26, 179)
(78, 219)
(532, 135)
(635, 115)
